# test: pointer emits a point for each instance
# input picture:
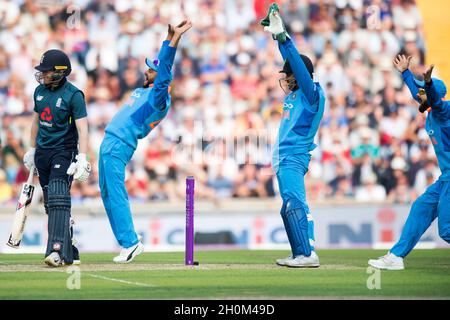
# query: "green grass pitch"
(235, 274)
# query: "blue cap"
(441, 89)
(152, 64)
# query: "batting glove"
(80, 169)
(28, 158)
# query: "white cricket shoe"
(388, 262)
(54, 260)
(128, 254)
(283, 261)
(304, 262)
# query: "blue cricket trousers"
(114, 156)
(434, 203)
(295, 213)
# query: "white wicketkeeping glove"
(28, 158)
(80, 169)
(276, 27)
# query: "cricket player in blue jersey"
(435, 202)
(302, 112)
(146, 107)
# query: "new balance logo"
(57, 166)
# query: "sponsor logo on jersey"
(58, 102)
(154, 124)
(46, 114)
(39, 98)
(136, 94)
(287, 110)
(46, 124)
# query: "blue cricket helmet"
(152, 64)
(441, 89)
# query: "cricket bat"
(22, 209)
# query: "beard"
(146, 83)
(293, 86)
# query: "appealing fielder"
(145, 109)
(59, 125)
(302, 112)
(435, 202)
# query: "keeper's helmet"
(53, 60)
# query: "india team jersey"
(439, 133)
(137, 117)
(146, 107)
(299, 124)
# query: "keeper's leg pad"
(59, 233)
(297, 223)
(311, 230)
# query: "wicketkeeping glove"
(80, 169)
(274, 24)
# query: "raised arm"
(408, 78)
(301, 73)
(439, 107)
(274, 24)
(401, 63)
(160, 92)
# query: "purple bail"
(189, 253)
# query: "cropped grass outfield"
(226, 274)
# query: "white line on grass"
(119, 280)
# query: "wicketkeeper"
(59, 143)
(302, 112)
(146, 108)
(435, 202)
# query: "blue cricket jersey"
(437, 124)
(146, 107)
(438, 129)
(302, 110)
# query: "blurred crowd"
(372, 145)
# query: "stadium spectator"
(223, 90)
(370, 191)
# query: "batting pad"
(59, 235)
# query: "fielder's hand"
(427, 74)
(80, 169)
(181, 28)
(401, 62)
(28, 158)
(171, 29)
